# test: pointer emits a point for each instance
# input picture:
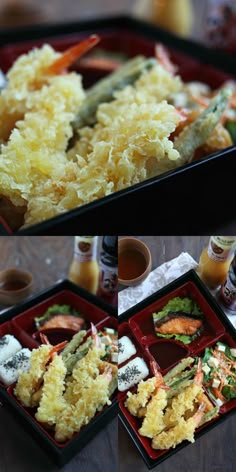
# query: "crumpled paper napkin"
(158, 278)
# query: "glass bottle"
(215, 260)
(108, 266)
(84, 268)
(219, 29)
(175, 16)
(228, 289)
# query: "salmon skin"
(64, 321)
(178, 323)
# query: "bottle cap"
(110, 245)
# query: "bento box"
(19, 323)
(182, 392)
(192, 182)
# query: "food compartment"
(167, 353)
(14, 353)
(210, 329)
(133, 424)
(177, 381)
(219, 366)
(47, 432)
(87, 312)
(112, 51)
(184, 373)
(54, 335)
(135, 360)
(122, 41)
(55, 379)
(102, 317)
(58, 335)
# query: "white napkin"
(158, 278)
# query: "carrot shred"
(101, 63)
(203, 101)
(72, 54)
(218, 394)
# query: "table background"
(214, 451)
(28, 12)
(48, 258)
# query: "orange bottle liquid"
(174, 15)
(215, 260)
(84, 268)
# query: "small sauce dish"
(15, 285)
(134, 261)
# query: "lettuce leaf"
(185, 305)
(178, 337)
(53, 311)
(228, 392)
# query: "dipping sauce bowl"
(15, 285)
(134, 261)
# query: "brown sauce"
(166, 353)
(13, 285)
(131, 264)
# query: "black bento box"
(198, 183)
(19, 322)
(137, 323)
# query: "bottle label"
(228, 294)
(219, 25)
(220, 247)
(85, 248)
(108, 279)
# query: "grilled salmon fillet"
(179, 325)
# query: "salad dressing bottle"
(175, 16)
(215, 260)
(108, 265)
(228, 289)
(84, 268)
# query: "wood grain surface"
(28, 12)
(48, 258)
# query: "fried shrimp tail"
(185, 400)
(153, 421)
(93, 399)
(136, 401)
(184, 430)
(52, 401)
(28, 387)
(72, 54)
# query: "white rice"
(131, 373)
(9, 345)
(10, 369)
(126, 349)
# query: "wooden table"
(28, 12)
(48, 258)
(214, 451)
